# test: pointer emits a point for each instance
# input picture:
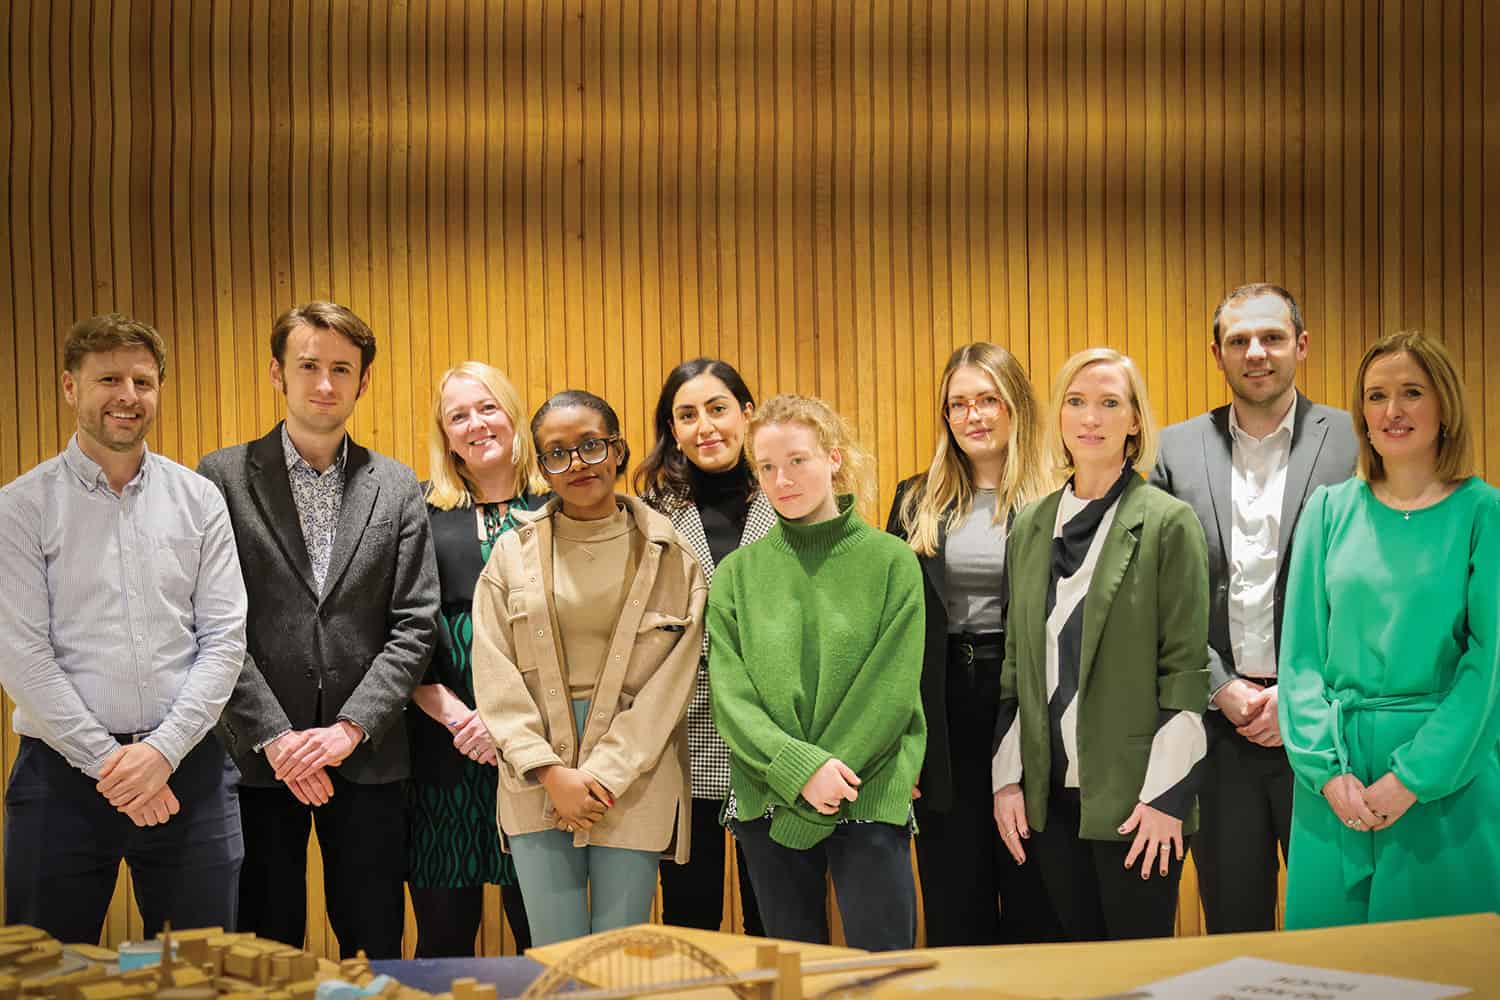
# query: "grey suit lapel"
(273, 495)
(360, 491)
(1308, 433)
(1218, 465)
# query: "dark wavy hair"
(663, 478)
(589, 401)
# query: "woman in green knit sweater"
(815, 659)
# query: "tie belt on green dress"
(1357, 847)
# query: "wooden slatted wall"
(831, 195)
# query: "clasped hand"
(301, 758)
(1252, 710)
(134, 780)
(1373, 807)
(830, 785)
(578, 799)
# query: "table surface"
(510, 974)
(1462, 951)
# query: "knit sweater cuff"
(792, 766)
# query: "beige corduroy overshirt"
(634, 741)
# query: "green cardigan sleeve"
(1307, 719)
(1462, 731)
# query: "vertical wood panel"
(832, 196)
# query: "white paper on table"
(1261, 979)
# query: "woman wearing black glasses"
(588, 623)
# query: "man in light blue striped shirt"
(121, 637)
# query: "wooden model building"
(205, 964)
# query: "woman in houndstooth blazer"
(697, 475)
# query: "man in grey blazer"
(343, 591)
(1247, 469)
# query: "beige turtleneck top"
(593, 564)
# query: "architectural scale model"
(205, 964)
(635, 962)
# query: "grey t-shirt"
(973, 558)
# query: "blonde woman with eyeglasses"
(956, 517)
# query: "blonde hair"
(1455, 443)
(853, 477)
(451, 486)
(1140, 447)
(943, 496)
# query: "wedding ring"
(1166, 848)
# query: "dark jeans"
(64, 843)
(1096, 898)
(692, 895)
(965, 867)
(1245, 809)
(362, 833)
(448, 919)
(871, 868)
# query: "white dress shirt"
(1259, 482)
(124, 613)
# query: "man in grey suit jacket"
(343, 589)
(1247, 469)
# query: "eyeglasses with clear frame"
(987, 407)
(590, 451)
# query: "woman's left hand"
(472, 739)
(1388, 799)
(1157, 837)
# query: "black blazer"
(936, 781)
(1195, 463)
(356, 651)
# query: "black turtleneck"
(723, 502)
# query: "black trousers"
(362, 833)
(1095, 897)
(692, 895)
(448, 919)
(1245, 807)
(64, 843)
(871, 868)
(964, 866)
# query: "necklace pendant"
(1407, 515)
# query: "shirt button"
(562, 748)
(617, 656)
(541, 631)
(552, 690)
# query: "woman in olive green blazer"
(1105, 679)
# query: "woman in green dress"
(483, 472)
(1390, 673)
